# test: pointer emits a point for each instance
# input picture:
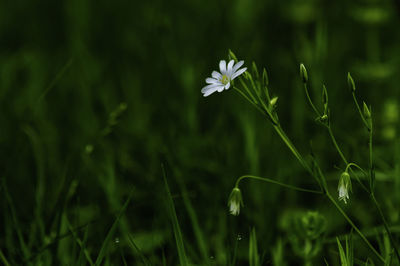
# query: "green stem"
(310, 101)
(265, 179)
(336, 145)
(262, 111)
(248, 99)
(357, 166)
(359, 110)
(385, 224)
(293, 149)
(371, 187)
(354, 227)
(344, 158)
(248, 90)
(298, 156)
(371, 163)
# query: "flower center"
(224, 79)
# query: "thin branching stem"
(332, 136)
(293, 149)
(385, 224)
(269, 180)
(354, 227)
(359, 110)
(310, 101)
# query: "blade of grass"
(343, 257)
(137, 249)
(254, 259)
(235, 250)
(55, 80)
(23, 245)
(110, 233)
(175, 224)
(3, 259)
(195, 222)
(50, 245)
(38, 153)
(82, 244)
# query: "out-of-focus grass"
(94, 96)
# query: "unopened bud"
(235, 201)
(344, 186)
(255, 70)
(265, 77)
(350, 83)
(367, 115)
(273, 102)
(303, 73)
(232, 55)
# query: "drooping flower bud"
(344, 187)
(235, 201)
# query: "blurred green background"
(96, 95)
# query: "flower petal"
(227, 86)
(230, 65)
(239, 72)
(216, 75)
(209, 91)
(212, 80)
(209, 87)
(237, 66)
(222, 67)
(221, 88)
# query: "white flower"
(221, 81)
(235, 201)
(343, 194)
(344, 187)
(234, 208)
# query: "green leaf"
(175, 224)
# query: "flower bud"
(232, 56)
(324, 95)
(273, 102)
(303, 73)
(367, 115)
(265, 77)
(350, 83)
(344, 186)
(235, 201)
(255, 70)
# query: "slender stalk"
(293, 149)
(247, 89)
(371, 177)
(344, 158)
(359, 110)
(336, 145)
(248, 99)
(269, 180)
(357, 166)
(385, 224)
(372, 195)
(310, 101)
(354, 227)
(371, 163)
